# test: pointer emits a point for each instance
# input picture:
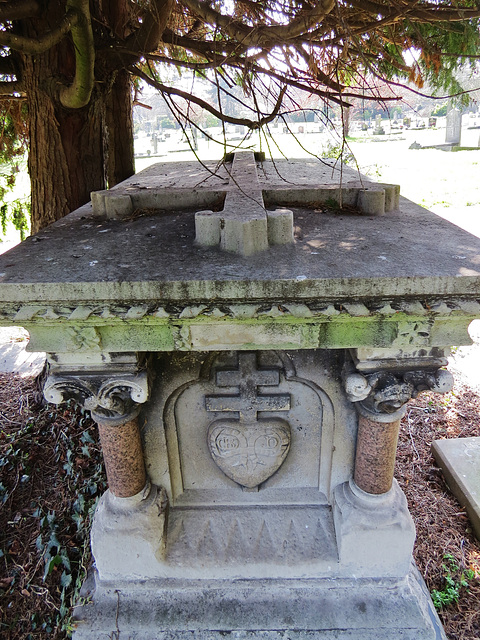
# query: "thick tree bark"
(66, 153)
(65, 157)
(118, 128)
(72, 151)
(118, 120)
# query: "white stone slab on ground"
(459, 459)
(13, 355)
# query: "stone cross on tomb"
(244, 225)
(248, 402)
(248, 450)
(237, 218)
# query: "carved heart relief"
(249, 452)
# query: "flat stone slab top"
(152, 254)
(459, 460)
(315, 275)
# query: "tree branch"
(257, 36)
(294, 83)
(210, 49)
(19, 9)
(147, 37)
(42, 44)
(318, 73)
(426, 12)
(419, 93)
(172, 91)
(195, 66)
(78, 94)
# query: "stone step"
(316, 609)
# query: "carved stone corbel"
(384, 393)
(112, 399)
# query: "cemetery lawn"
(51, 475)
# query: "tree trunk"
(118, 120)
(72, 151)
(118, 128)
(65, 159)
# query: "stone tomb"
(247, 341)
(379, 130)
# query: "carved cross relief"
(248, 449)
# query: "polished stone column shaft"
(123, 456)
(375, 454)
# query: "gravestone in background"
(247, 341)
(379, 130)
(453, 131)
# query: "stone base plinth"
(375, 533)
(127, 536)
(313, 609)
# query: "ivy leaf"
(50, 566)
(66, 579)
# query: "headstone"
(454, 127)
(379, 130)
(248, 393)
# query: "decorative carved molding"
(386, 393)
(249, 537)
(112, 399)
(112, 312)
(85, 338)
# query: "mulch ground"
(51, 475)
(446, 551)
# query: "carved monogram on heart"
(248, 449)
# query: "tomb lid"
(150, 253)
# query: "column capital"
(113, 392)
(382, 396)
